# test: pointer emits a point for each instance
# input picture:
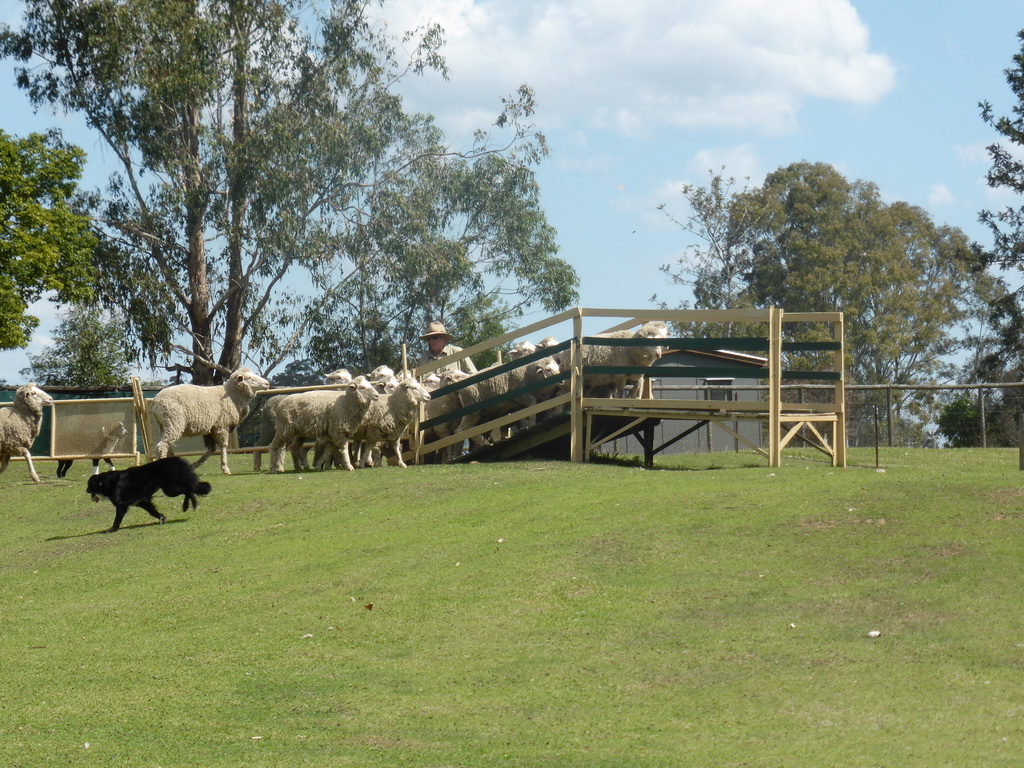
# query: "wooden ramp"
(571, 426)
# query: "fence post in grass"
(981, 411)
(1020, 438)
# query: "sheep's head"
(544, 368)
(248, 382)
(33, 398)
(381, 372)
(362, 390)
(522, 349)
(652, 330)
(546, 342)
(413, 389)
(340, 376)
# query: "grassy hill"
(528, 614)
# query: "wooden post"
(981, 412)
(839, 399)
(774, 387)
(142, 415)
(1020, 439)
(576, 438)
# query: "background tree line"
(274, 201)
(262, 145)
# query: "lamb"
(388, 418)
(500, 385)
(304, 416)
(614, 384)
(186, 410)
(20, 424)
(110, 437)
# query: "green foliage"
(960, 423)
(45, 241)
(533, 614)
(903, 283)
(88, 350)
(1006, 361)
(258, 140)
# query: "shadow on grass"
(122, 528)
(637, 462)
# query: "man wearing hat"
(438, 346)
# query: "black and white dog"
(135, 486)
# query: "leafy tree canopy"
(45, 241)
(88, 350)
(270, 177)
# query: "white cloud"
(939, 195)
(634, 67)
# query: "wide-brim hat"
(436, 329)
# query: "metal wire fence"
(885, 415)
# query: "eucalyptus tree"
(903, 283)
(1007, 227)
(89, 349)
(261, 140)
(45, 240)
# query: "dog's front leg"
(119, 512)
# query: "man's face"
(436, 344)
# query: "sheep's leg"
(277, 455)
(398, 453)
(346, 460)
(211, 446)
(257, 461)
(28, 460)
(3, 462)
(298, 451)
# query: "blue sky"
(638, 98)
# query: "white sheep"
(20, 424)
(187, 410)
(522, 349)
(345, 419)
(340, 376)
(304, 416)
(499, 386)
(614, 384)
(388, 418)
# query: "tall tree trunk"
(231, 352)
(200, 321)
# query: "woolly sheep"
(346, 417)
(387, 419)
(614, 385)
(501, 384)
(20, 424)
(340, 376)
(305, 415)
(522, 349)
(186, 410)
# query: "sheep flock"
(360, 421)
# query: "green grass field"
(527, 614)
